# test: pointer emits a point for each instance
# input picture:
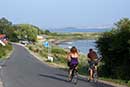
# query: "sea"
(83, 46)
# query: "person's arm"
(78, 56)
(68, 57)
(95, 55)
(88, 57)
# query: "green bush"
(4, 50)
(2, 53)
(58, 51)
(30, 47)
(83, 69)
(128, 83)
(114, 46)
(43, 54)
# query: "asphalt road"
(23, 70)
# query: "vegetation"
(73, 36)
(114, 46)
(117, 81)
(16, 33)
(5, 50)
(19, 31)
(6, 27)
(26, 32)
(59, 55)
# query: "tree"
(5, 25)
(47, 32)
(26, 32)
(115, 49)
(19, 31)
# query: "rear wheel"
(75, 77)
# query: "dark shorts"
(92, 64)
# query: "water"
(83, 46)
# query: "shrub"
(4, 50)
(114, 46)
(128, 83)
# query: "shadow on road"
(53, 77)
(61, 76)
(97, 84)
(81, 79)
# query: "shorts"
(92, 64)
(73, 63)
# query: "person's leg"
(76, 67)
(91, 74)
(91, 71)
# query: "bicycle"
(95, 73)
(74, 75)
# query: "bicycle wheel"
(95, 76)
(75, 77)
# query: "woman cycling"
(72, 58)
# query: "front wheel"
(95, 76)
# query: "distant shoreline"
(81, 36)
(80, 30)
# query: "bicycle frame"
(74, 76)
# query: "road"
(23, 70)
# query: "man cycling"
(92, 56)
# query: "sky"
(65, 13)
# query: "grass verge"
(116, 81)
(5, 51)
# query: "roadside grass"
(5, 51)
(59, 55)
(117, 81)
(128, 83)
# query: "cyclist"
(72, 59)
(92, 56)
